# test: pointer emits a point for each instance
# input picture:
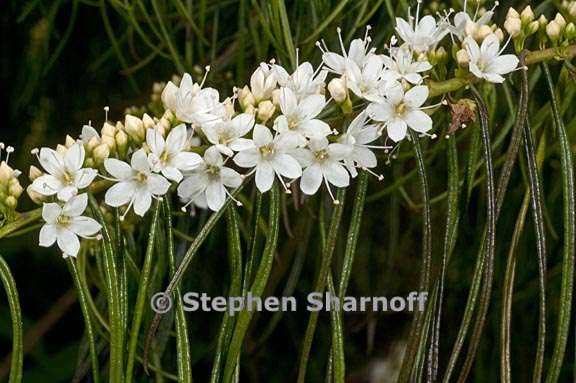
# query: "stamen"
(207, 68)
(286, 190)
(418, 10)
(106, 110)
(339, 31)
(380, 177)
(123, 216)
(238, 203)
(505, 45)
(334, 200)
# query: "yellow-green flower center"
(64, 220)
(267, 151)
(400, 108)
(321, 155)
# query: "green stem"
(184, 359)
(113, 298)
(82, 297)
(17, 357)
(569, 192)
(320, 283)
(260, 280)
(142, 295)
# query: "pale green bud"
(109, 141)
(527, 15)
(135, 128)
(34, 173)
(338, 90)
(69, 141)
(553, 30)
(101, 153)
(266, 110)
(108, 130)
(11, 202)
(513, 26)
(246, 98)
(14, 188)
(148, 121)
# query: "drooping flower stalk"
(17, 354)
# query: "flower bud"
(168, 96)
(5, 173)
(513, 26)
(121, 143)
(34, 173)
(570, 31)
(440, 55)
(14, 188)
(246, 98)
(61, 149)
(470, 28)
(553, 30)
(11, 202)
(462, 58)
(69, 141)
(93, 143)
(135, 128)
(572, 9)
(498, 32)
(266, 110)
(101, 153)
(148, 121)
(527, 15)
(109, 141)
(483, 32)
(512, 14)
(338, 90)
(169, 116)
(560, 20)
(532, 27)
(543, 21)
(276, 97)
(250, 109)
(108, 130)
(36, 197)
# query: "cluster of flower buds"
(10, 188)
(557, 31)
(521, 25)
(261, 97)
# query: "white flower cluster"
(276, 128)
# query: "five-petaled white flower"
(65, 173)
(357, 137)
(401, 65)
(64, 224)
(269, 157)
(322, 161)
(193, 104)
(298, 119)
(357, 55)
(421, 35)
(399, 110)
(227, 135)
(304, 81)
(209, 181)
(486, 60)
(169, 156)
(136, 183)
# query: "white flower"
(371, 79)
(486, 61)
(401, 66)
(357, 137)
(136, 183)
(209, 181)
(297, 121)
(304, 81)
(269, 157)
(64, 224)
(399, 110)
(88, 132)
(263, 82)
(422, 35)
(322, 161)
(227, 135)
(193, 104)
(357, 54)
(169, 156)
(65, 173)
(464, 25)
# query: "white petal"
(157, 184)
(247, 158)
(472, 48)
(315, 128)
(365, 157)
(418, 121)
(416, 96)
(396, 130)
(177, 138)
(142, 202)
(213, 157)
(504, 64)
(215, 196)
(66, 193)
(118, 169)
(155, 141)
(192, 185)
(335, 62)
(120, 194)
(380, 112)
(288, 101)
(404, 29)
(68, 242)
(169, 96)
(287, 166)
(51, 212)
(339, 151)
(230, 177)
(74, 158)
(186, 161)
(311, 179)
(76, 205)
(495, 78)
(242, 124)
(48, 235)
(490, 45)
(264, 177)
(84, 226)
(240, 144)
(172, 173)
(51, 161)
(84, 177)
(47, 185)
(139, 162)
(336, 174)
(311, 106)
(261, 135)
(304, 156)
